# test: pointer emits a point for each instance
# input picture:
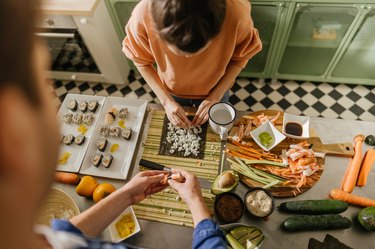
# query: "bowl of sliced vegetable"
(240, 236)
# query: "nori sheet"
(165, 146)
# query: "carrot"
(67, 178)
(367, 163)
(355, 200)
(352, 171)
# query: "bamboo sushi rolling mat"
(166, 206)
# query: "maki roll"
(82, 106)
(68, 139)
(122, 113)
(115, 131)
(77, 118)
(88, 118)
(104, 130)
(107, 160)
(72, 105)
(80, 139)
(110, 116)
(67, 118)
(96, 159)
(101, 144)
(126, 133)
(93, 106)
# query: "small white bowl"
(304, 121)
(271, 129)
(112, 227)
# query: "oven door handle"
(56, 35)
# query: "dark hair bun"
(188, 24)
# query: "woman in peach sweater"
(198, 46)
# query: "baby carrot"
(67, 178)
(356, 200)
(352, 171)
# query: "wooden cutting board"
(339, 149)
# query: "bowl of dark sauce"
(297, 127)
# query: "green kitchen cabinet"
(268, 18)
(357, 61)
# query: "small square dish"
(124, 226)
(267, 136)
(297, 127)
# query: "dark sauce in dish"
(293, 129)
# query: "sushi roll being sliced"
(93, 106)
(96, 159)
(77, 118)
(107, 160)
(126, 133)
(80, 139)
(110, 116)
(101, 144)
(82, 106)
(115, 131)
(122, 113)
(72, 105)
(68, 139)
(88, 118)
(67, 118)
(104, 130)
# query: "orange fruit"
(86, 186)
(102, 191)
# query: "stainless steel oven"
(84, 48)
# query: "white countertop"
(69, 7)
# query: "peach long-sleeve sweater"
(193, 77)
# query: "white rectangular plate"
(77, 151)
(122, 158)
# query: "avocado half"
(225, 182)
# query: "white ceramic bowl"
(271, 129)
(304, 121)
(112, 227)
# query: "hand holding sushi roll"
(190, 192)
(145, 183)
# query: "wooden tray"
(343, 149)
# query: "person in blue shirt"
(29, 142)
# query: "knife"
(153, 165)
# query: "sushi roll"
(107, 160)
(72, 105)
(101, 144)
(77, 118)
(115, 131)
(68, 139)
(110, 116)
(88, 118)
(82, 106)
(122, 113)
(96, 159)
(126, 133)
(93, 106)
(67, 118)
(80, 139)
(104, 130)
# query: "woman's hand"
(190, 192)
(176, 114)
(201, 116)
(145, 183)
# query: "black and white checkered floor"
(353, 102)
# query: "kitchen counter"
(160, 235)
(69, 7)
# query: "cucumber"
(314, 207)
(245, 237)
(316, 222)
(366, 218)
